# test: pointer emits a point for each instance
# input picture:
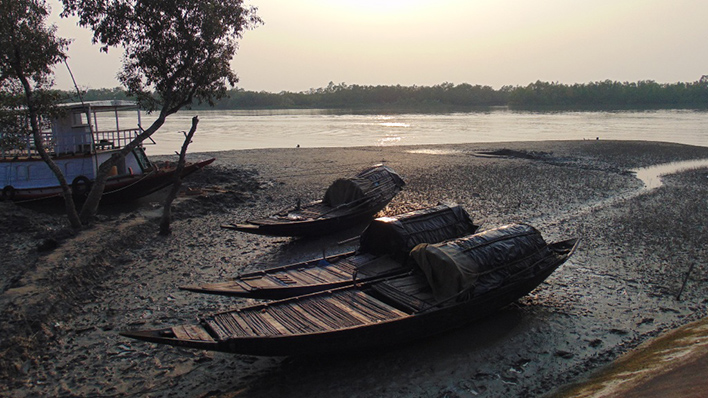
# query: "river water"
(238, 129)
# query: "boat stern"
(250, 228)
(190, 336)
(223, 288)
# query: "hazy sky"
(308, 43)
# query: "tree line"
(595, 95)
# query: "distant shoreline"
(602, 95)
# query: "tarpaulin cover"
(346, 190)
(399, 234)
(371, 182)
(482, 261)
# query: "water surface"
(227, 130)
(651, 176)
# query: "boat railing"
(23, 146)
(14, 146)
(113, 139)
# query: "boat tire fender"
(81, 185)
(8, 193)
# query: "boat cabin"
(79, 139)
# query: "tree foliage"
(28, 51)
(175, 52)
(27, 43)
(341, 95)
(611, 94)
(595, 95)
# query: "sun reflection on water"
(394, 124)
(390, 139)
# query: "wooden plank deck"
(191, 332)
(338, 310)
(411, 292)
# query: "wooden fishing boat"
(509, 262)
(347, 202)
(79, 139)
(383, 251)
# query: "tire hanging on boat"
(8, 193)
(81, 186)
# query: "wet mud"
(63, 306)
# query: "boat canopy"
(347, 190)
(399, 234)
(368, 183)
(101, 106)
(481, 262)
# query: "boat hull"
(280, 283)
(118, 189)
(388, 325)
(336, 211)
(307, 228)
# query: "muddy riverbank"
(65, 297)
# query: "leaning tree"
(175, 52)
(29, 48)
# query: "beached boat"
(383, 251)
(347, 202)
(82, 137)
(458, 282)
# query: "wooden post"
(685, 280)
(167, 210)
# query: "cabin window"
(79, 119)
(141, 158)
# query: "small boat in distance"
(383, 252)
(347, 202)
(79, 139)
(482, 273)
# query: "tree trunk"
(71, 213)
(66, 192)
(90, 206)
(167, 211)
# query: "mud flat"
(65, 297)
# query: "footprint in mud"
(619, 332)
(564, 354)
(595, 343)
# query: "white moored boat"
(79, 140)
